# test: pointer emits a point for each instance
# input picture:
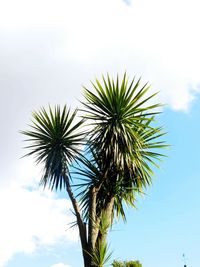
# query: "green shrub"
(126, 264)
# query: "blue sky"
(48, 50)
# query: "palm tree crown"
(55, 142)
(122, 141)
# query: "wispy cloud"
(31, 219)
(70, 42)
(128, 2)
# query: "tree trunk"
(89, 240)
(92, 219)
(81, 225)
(102, 235)
(93, 223)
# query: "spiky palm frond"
(117, 111)
(55, 142)
(124, 183)
(123, 139)
(90, 175)
(101, 255)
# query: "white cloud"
(60, 265)
(71, 41)
(31, 219)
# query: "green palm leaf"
(55, 142)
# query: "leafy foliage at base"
(126, 264)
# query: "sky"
(48, 51)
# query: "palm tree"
(121, 148)
(56, 140)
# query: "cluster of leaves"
(121, 144)
(126, 264)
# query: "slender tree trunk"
(92, 218)
(81, 224)
(89, 239)
(102, 236)
(93, 223)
